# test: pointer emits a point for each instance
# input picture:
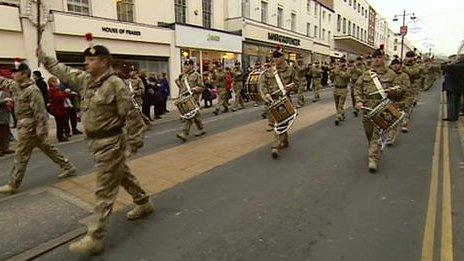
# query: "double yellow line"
(446, 237)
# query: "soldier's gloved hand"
(268, 96)
(359, 105)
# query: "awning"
(353, 45)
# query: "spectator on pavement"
(58, 109)
(39, 81)
(6, 104)
(454, 87)
(165, 92)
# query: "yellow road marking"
(429, 231)
(446, 219)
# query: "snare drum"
(385, 116)
(187, 106)
(282, 110)
(252, 85)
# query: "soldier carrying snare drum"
(274, 83)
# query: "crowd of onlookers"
(453, 85)
(155, 95)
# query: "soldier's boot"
(67, 172)
(270, 128)
(226, 109)
(355, 112)
(200, 133)
(8, 189)
(337, 122)
(234, 109)
(140, 210)
(285, 144)
(182, 136)
(405, 129)
(216, 111)
(372, 166)
(275, 153)
(87, 245)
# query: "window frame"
(81, 5)
(121, 14)
(184, 14)
(203, 13)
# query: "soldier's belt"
(104, 133)
(341, 87)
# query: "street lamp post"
(403, 30)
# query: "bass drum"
(252, 85)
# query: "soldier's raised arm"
(72, 77)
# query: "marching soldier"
(363, 89)
(32, 128)
(368, 65)
(414, 71)
(402, 97)
(220, 80)
(340, 77)
(238, 86)
(300, 71)
(356, 72)
(136, 86)
(268, 85)
(316, 76)
(114, 133)
(195, 81)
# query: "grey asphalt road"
(316, 202)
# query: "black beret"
(378, 53)
(278, 52)
(237, 62)
(395, 61)
(97, 51)
(410, 54)
(22, 67)
(188, 62)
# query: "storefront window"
(180, 9)
(207, 13)
(125, 9)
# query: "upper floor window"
(125, 9)
(79, 6)
(359, 8)
(293, 21)
(339, 23)
(354, 4)
(207, 13)
(308, 5)
(329, 36)
(316, 32)
(263, 12)
(280, 17)
(323, 34)
(315, 9)
(180, 9)
(323, 15)
(349, 2)
(246, 8)
(344, 25)
(308, 29)
(329, 18)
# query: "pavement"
(222, 197)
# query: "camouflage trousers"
(223, 99)
(416, 87)
(340, 98)
(188, 124)
(23, 153)
(112, 172)
(317, 88)
(373, 140)
(238, 95)
(353, 100)
(301, 89)
(279, 140)
(407, 107)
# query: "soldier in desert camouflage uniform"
(32, 128)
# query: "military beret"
(21, 67)
(395, 61)
(378, 53)
(278, 52)
(410, 54)
(237, 62)
(342, 60)
(97, 51)
(359, 58)
(268, 60)
(188, 62)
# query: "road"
(316, 202)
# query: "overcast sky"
(440, 23)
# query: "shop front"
(261, 40)
(352, 47)
(207, 47)
(144, 46)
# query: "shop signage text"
(212, 37)
(114, 30)
(283, 39)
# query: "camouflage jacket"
(402, 80)
(316, 72)
(137, 86)
(413, 71)
(365, 86)
(340, 77)
(194, 80)
(29, 107)
(300, 71)
(219, 78)
(238, 76)
(356, 72)
(106, 105)
(267, 82)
